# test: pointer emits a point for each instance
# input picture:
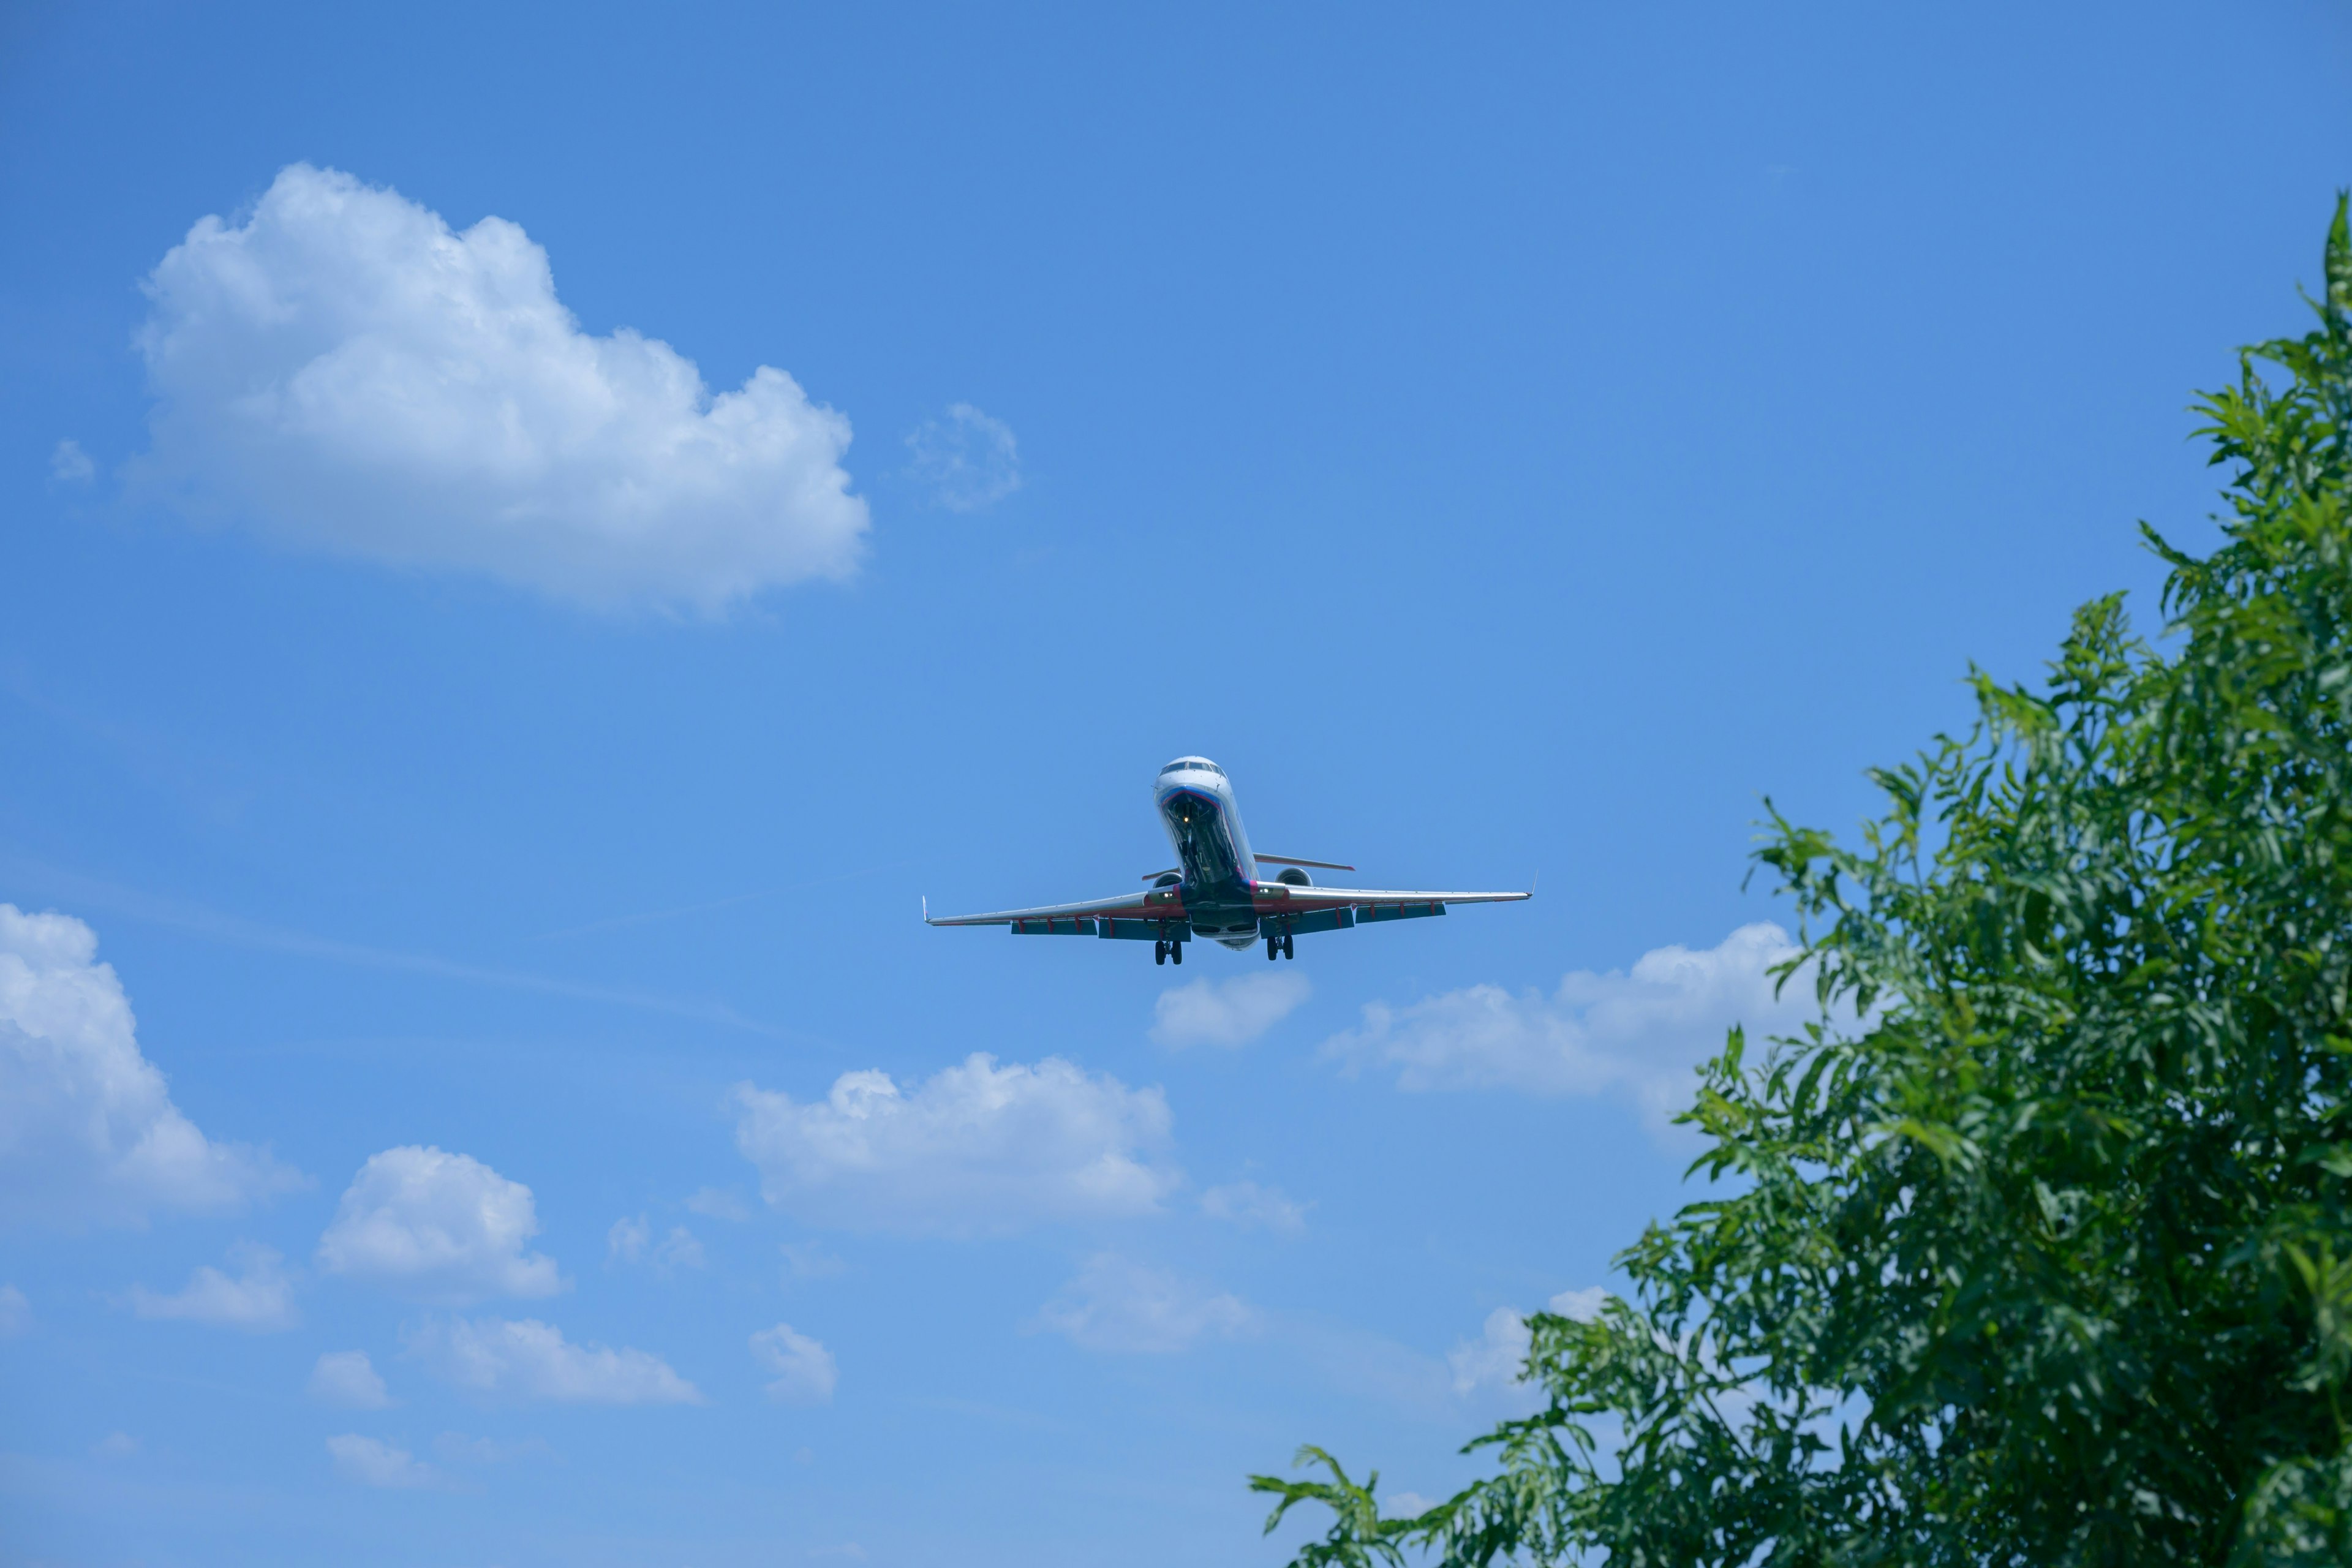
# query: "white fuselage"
(1220, 875)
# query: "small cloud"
(1582, 1305)
(806, 1373)
(378, 1464)
(968, 460)
(1498, 1357)
(977, 1148)
(260, 1299)
(107, 1144)
(439, 1227)
(806, 1260)
(1249, 1206)
(16, 1313)
(1228, 1012)
(1640, 1032)
(1494, 1359)
(1405, 1505)
(115, 1446)
(69, 464)
(347, 1378)
(529, 1360)
(347, 373)
(1119, 1306)
(719, 1203)
(631, 1241)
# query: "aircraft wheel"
(1159, 953)
(1287, 952)
(1273, 948)
(1176, 951)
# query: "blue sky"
(491, 696)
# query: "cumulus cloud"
(69, 464)
(805, 1373)
(1117, 1305)
(344, 372)
(16, 1312)
(375, 1463)
(1251, 1206)
(437, 1227)
(348, 1379)
(528, 1359)
(632, 1241)
(968, 460)
(1641, 1032)
(259, 1299)
(88, 1129)
(977, 1148)
(1227, 1012)
(1497, 1358)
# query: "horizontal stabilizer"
(1293, 860)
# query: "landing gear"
(1273, 947)
(1159, 953)
(1287, 951)
(1176, 950)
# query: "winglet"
(1531, 883)
(926, 908)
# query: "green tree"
(2047, 1258)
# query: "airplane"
(1214, 891)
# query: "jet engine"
(1292, 877)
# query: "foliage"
(2048, 1259)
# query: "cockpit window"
(1181, 763)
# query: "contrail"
(237, 931)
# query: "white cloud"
(1496, 1359)
(115, 1446)
(347, 1378)
(968, 460)
(346, 373)
(88, 1129)
(260, 1298)
(16, 1312)
(526, 1359)
(1582, 1305)
(1117, 1305)
(69, 464)
(375, 1463)
(976, 1148)
(1405, 1505)
(1228, 1011)
(437, 1227)
(805, 1373)
(1247, 1205)
(1641, 1033)
(632, 1241)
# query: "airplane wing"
(1280, 897)
(1303, 908)
(1152, 904)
